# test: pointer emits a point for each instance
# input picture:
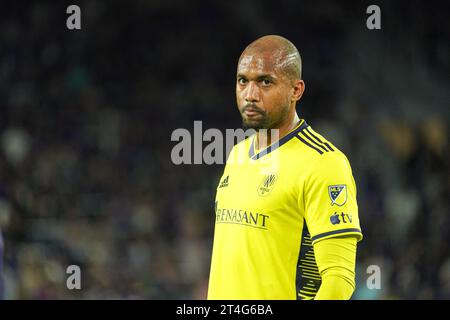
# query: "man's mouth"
(252, 112)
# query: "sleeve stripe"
(325, 234)
(309, 145)
(325, 143)
(312, 141)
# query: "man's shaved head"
(269, 84)
(283, 52)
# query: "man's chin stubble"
(254, 125)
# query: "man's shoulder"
(313, 147)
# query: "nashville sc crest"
(267, 184)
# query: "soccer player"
(286, 217)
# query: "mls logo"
(338, 194)
(266, 184)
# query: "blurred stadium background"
(86, 118)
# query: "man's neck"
(265, 138)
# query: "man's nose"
(252, 92)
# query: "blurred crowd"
(86, 118)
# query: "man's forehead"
(267, 62)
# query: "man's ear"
(299, 88)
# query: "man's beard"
(256, 125)
(260, 123)
(264, 121)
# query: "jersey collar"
(255, 156)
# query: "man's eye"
(266, 82)
(241, 81)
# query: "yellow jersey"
(271, 206)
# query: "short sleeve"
(329, 199)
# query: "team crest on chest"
(267, 184)
(338, 194)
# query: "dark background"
(86, 118)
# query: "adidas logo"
(224, 182)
